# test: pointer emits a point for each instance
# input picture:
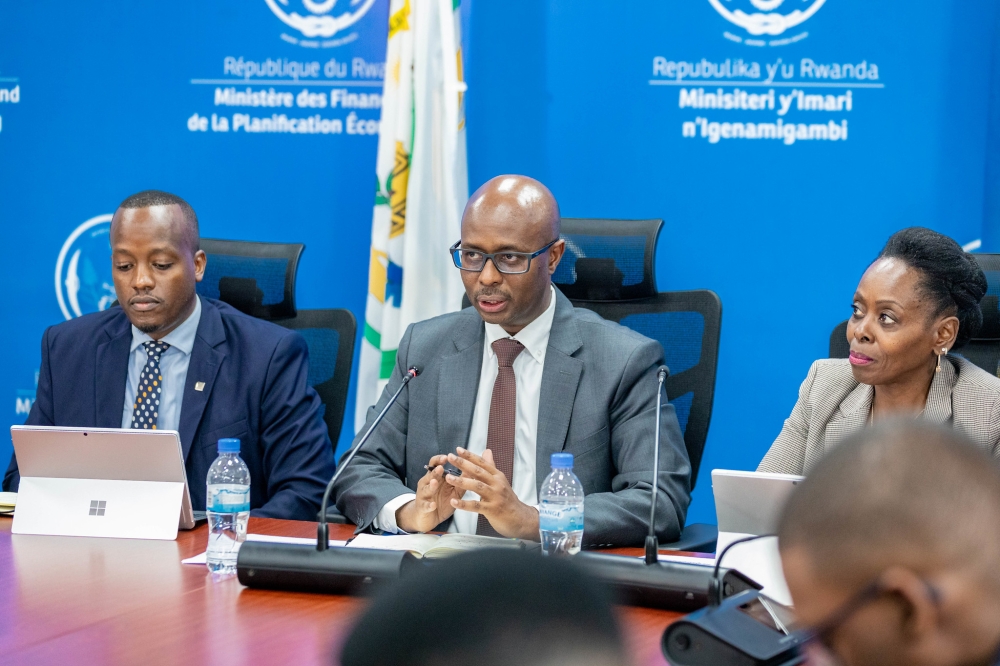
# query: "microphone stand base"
(303, 568)
(667, 585)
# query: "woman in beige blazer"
(917, 301)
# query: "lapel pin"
(199, 386)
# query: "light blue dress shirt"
(173, 366)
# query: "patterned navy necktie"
(146, 409)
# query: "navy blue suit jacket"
(255, 389)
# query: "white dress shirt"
(173, 366)
(528, 368)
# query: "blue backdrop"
(781, 153)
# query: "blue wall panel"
(103, 111)
(781, 232)
(558, 89)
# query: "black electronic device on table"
(649, 582)
(747, 629)
(320, 568)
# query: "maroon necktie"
(503, 411)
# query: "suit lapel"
(458, 383)
(112, 373)
(938, 406)
(850, 417)
(856, 407)
(206, 358)
(560, 379)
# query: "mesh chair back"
(839, 346)
(984, 348)
(330, 337)
(608, 260)
(688, 325)
(255, 278)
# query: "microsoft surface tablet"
(750, 502)
(101, 482)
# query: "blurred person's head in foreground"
(492, 607)
(891, 549)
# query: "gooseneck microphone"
(336, 570)
(715, 590)
(323, 529)
(648, 581)
(735, 629)
(652, 543)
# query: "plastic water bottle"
(228, 507)
(560, 512)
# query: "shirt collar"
(534, 336)
(181, 338)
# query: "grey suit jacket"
(598, 401)
(832, 405)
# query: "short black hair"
(951, 277)
(490, 608)
(902, 493)
(148, 198)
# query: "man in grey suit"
(504, 384)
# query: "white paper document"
(202, 559)
(433, 545)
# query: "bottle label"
(228, 498)
(560, 517)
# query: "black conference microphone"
(745, 629)
(715, 591)
(337, 570)
(323, 529)
(649, 582)
(652, 543)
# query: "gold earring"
(944, 351)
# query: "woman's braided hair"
(951, 278)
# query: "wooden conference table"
(73, 600)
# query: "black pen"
(448, 468)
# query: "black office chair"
(688, 325)
(609, 267)
(839, 346)
(984, 349)
(608, 260)
(255, 278)
(258, 279)
(329, 334)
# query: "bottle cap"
(229, 445)
(562, 461)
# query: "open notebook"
(7, 502)
(432, 545)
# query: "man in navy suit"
(167, 359)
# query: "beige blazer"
(832, 405)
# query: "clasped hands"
(439, 494)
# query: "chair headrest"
(990, 263)
(608, 260)
(991, 318)
(255, 278)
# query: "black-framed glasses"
(511, 263)
(819, 640)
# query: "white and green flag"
(422, 185)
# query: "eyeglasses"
(510, 263)
(819, 640)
